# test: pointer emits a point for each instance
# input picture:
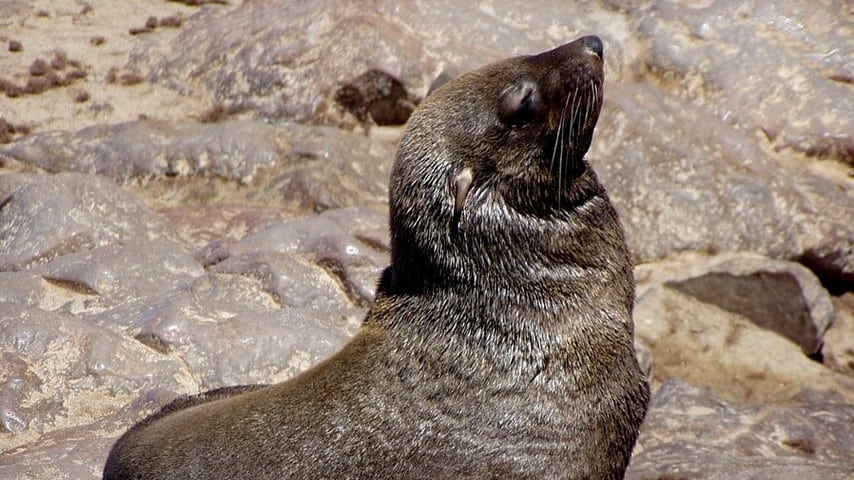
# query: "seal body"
(500, 344)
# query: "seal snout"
(594, 43)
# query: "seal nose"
(594, 43)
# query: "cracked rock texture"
(191, 206)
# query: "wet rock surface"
(220, 218)
(691, 433)
(684, 181)
(766, 66)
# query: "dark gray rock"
(689, 433)
(781, 296)
(67, 213)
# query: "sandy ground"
(92, 36)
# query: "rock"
(282, 73)
(695, 51)
(67, 213)
(829, 248)
(838, 351)
(762, 66)
(200, 225)
(244, 247)
(710, 346)
(77, 452)
(296, 166)
(59, 455)
(333, 244)
(122, 272)
(644, 357)
(292, 281)
(681, 180)
(143, 149)
(13, 181)
(330, 168)
(59, 371)
(229, 331)
(376, 95)
(777, 295)
(26, 288)
(691, 433)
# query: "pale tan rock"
(708, 346)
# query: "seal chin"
(571, 139)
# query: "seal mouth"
(574, 86)
(575, 127)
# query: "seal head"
(499, 152)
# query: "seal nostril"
(594, 43)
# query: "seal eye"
(518, 104)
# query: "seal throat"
(574, 133)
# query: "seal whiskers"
(559, 142)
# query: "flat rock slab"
(689, 433)
(55, 215)
(234, 150)
(229, 331)
(343, 241)
(682, 181)
(298, 166)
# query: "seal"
(500, 343)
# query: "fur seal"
(500, 343)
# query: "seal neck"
(510, 336)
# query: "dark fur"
(500, 342)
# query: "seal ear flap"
(519, 103)
(462, 185)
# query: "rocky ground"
(193, 194)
